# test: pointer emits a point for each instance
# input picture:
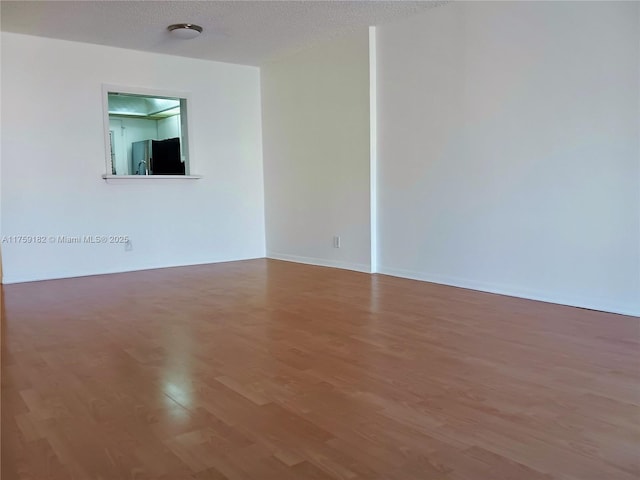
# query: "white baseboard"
(510, 291)
(321, 262)
(61, 275)
(598, 304)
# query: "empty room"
(377, 240)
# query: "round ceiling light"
(185, 30)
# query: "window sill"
(147, 178)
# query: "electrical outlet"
(336, 241)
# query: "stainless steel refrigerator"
(157, 157)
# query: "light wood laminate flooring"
(265, 369)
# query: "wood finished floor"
(271, 370)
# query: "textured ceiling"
(246, 32)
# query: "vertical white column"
(373, 147)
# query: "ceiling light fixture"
(185, 30)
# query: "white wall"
(53, 155)
(508, 150)
(316, 154)
(169, 127)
